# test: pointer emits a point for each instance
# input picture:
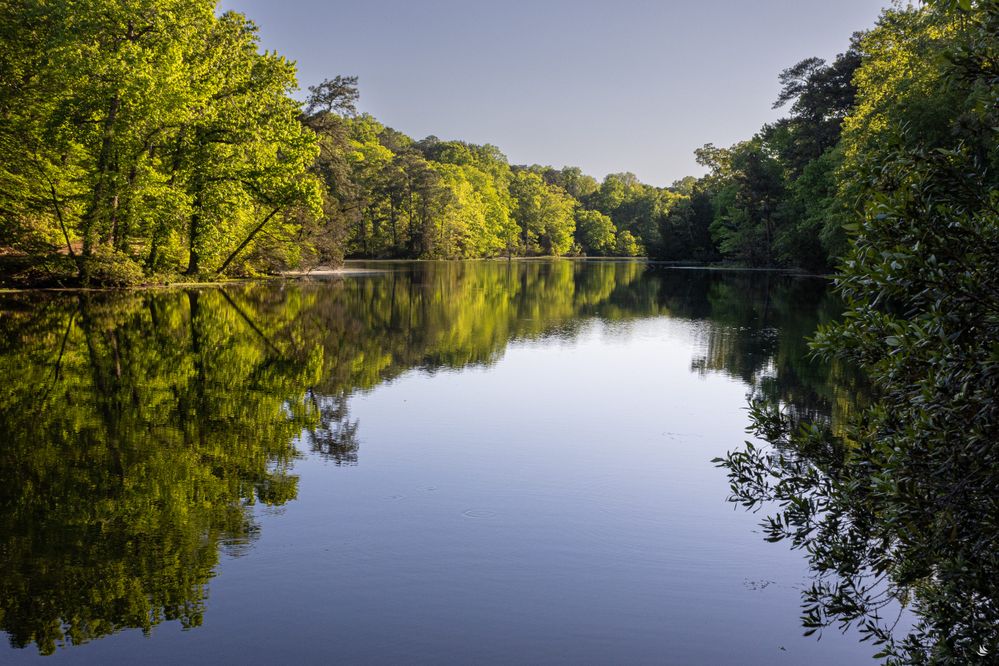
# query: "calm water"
(480, 462)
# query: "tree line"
(153, 139)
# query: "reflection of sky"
(559, 505)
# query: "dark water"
(478, 462)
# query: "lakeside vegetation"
(144, 142)
(901, 508)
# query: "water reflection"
(334, 436)
(141, 429)
(137, 432)
(755, 329)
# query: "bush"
(111, 268)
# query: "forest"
(155, 142)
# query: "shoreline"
(288, 275)
(349, 270)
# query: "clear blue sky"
(628, 85)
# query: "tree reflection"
(755, 327)
(130, 452)
(142, 429)
(334, 437)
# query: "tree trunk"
(103, 168)
(246, 241)
(194, 256)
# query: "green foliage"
(745, 224)
(595, 233)
(159, 133)
(154, 132)
(626, 245)
(812, 216)
(544, 213)
(899, 508)
(571, 179)
(633, 207)
(685, 229)
(112, 268)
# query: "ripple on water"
(479, 514)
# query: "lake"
(483, 462)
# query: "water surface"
(482, 462)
